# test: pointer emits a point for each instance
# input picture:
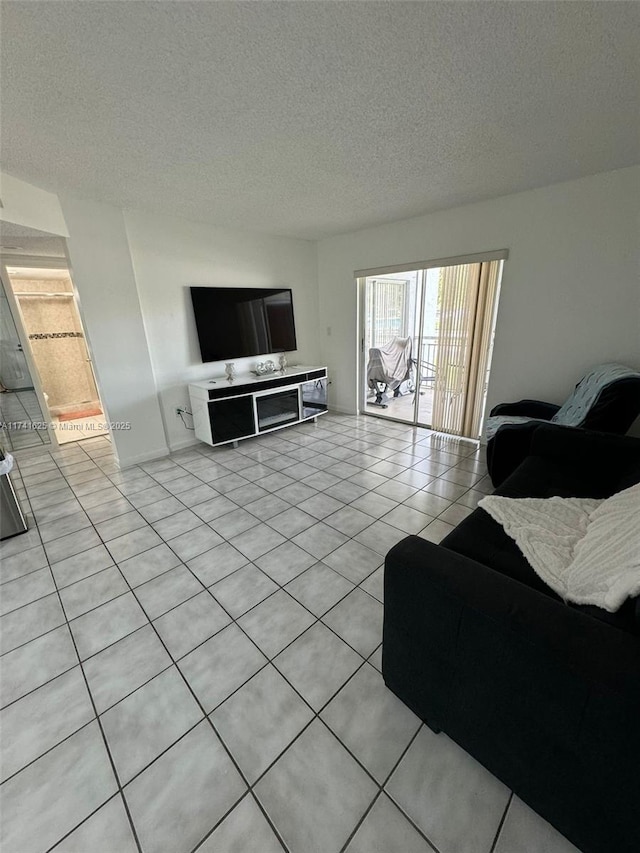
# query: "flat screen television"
(234, 322)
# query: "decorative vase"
(230, 370)
(283, 362)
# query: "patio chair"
(388, 368)
(426, 371)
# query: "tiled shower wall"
(58, 345)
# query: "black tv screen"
(234, 322)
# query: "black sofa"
(545, 695)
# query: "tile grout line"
(117, 778)
(206, 717)
(501, 824)
(184, 601)
(383, 791)
(55, 745)
(99, 722)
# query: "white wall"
(103, 275)
(24, 204)
(570, 292)
(169, 255)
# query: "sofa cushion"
(586, 549)
(540, 477)
(481, 538)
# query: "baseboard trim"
(175, 446)
(335, 410)
(148, 456)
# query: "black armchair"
(607, 399)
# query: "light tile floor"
(191, 653)
(22, 423)
(403, 408)
(79, 428)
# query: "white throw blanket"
(588, 551)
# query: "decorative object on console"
(282, 361)
(230, 370)
(264, 368)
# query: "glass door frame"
(485, 354)
(361, 285)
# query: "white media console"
(226, 411)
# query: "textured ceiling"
(313, 118)
(19, 239)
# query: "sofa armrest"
(611, 458)
(527, 409)
(593, 650)
(508, 448)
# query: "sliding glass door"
(391, 328)
(427, 336)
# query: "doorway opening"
(426, 342)
(20, 411)
(47, 315)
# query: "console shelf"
(225, 412)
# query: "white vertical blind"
(468, 301)
(458, 286)
(486, 309)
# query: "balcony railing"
(427, 359)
